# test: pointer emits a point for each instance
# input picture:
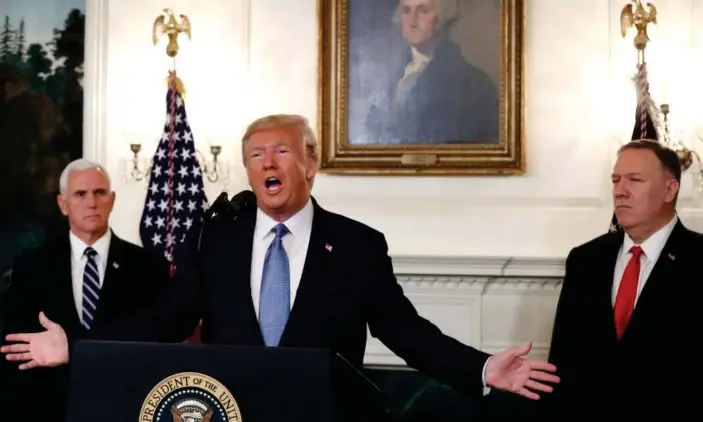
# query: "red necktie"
(627, 292)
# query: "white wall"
(249, 58)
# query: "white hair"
(447, 13)
(80, 164)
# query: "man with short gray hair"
(69, 289)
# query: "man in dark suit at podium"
(68, 289)
(289, 273)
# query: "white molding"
(95, 80)
(480, 266)
(490, 303)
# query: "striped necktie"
(274, 303)
(91, 288)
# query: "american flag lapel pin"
(115, 265)
(671, 256)
(328, 247)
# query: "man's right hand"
(45, 349)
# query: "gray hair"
(80, 164)
(447, 13)
(298, 123)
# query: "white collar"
(101, 246)
(302, 220)
(418, 57)
(654, 244)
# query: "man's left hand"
(45, 349)
(511, 371)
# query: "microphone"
(224, 209)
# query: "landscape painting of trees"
(41, 117)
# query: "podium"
(148, 382)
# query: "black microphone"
(224, 209)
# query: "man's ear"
(311, 168)
(63, 206)
(672, 189)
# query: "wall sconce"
(139, 169)
(212, 170)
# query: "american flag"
(176, 199)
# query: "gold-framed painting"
(421, 86)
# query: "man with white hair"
(69, 289)
(434, 95)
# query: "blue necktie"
(274, 302)
(91, 288)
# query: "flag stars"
(176, 195)
(181, 189)
(156, 239)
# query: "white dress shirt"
(78, 261)
(652, 248)
(295, 243)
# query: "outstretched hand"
(511, 371)
(45, 349)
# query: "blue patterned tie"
(91, 288)
(274, 302)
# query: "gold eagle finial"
(633, 14)
(171, 28)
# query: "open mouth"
(273, 185)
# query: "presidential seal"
(189, 397)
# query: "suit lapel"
(316, 266)
(110, 298)
(605, 279)
(239, 277)
(661, 274)
(59, 275)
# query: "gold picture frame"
(341, 154)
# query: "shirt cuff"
(486, 388)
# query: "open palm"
(511, 371)
(47, 348)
